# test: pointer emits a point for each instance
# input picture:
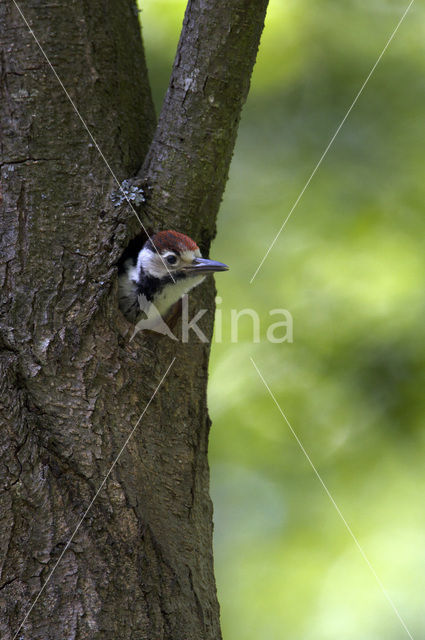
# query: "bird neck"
(164, 292)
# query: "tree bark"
(73, 385)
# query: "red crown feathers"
(174, 241)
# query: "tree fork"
(73, 386)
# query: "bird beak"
(201, 265)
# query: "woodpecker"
(168, 266)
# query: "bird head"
(175, 255)
(167, 267)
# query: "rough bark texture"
(73, 385)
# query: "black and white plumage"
(168, 266)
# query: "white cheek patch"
(143, 259)
(151, 263)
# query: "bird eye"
(171, 259)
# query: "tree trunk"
(73, 385)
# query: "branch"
(188, 162)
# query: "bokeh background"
(350, 267)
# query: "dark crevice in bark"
(7, 583)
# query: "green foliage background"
(349, 266)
